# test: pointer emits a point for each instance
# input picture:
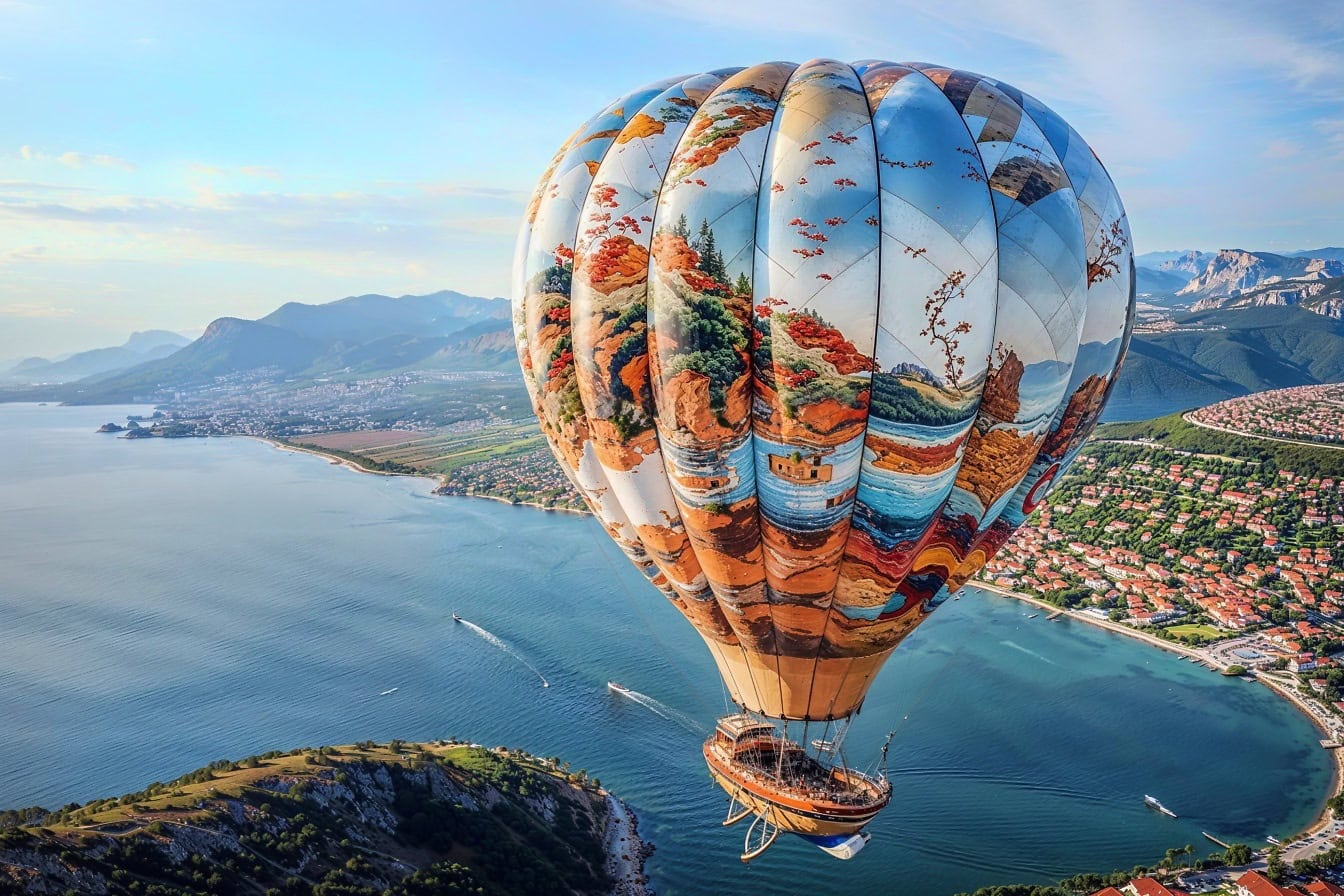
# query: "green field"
(1203, 632)
(446, 453)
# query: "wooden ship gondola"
(787, 789)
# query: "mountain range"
(141, 347)
(1179, 278)
(368, 335)
(1215, 325)
(1220, 353)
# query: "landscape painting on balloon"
(812, 340)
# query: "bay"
(167, 603)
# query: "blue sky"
(162, 164)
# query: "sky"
(164, 164)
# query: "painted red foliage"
(560, 364)
(809, 333)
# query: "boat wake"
(504, 646)
(662, 709)
(1022, 649)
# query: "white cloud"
(265, 172)
(35, 310)
(1332, 129)
(340, 231)
(72, 159)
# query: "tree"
(1277, 869)
(711, 259)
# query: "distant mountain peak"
(1191, 262)
(1233, 271)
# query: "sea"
(166, 603)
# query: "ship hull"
(796, 816)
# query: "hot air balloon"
(812, 340)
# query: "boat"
(1275, 840)
(388, 691)
(774, 779)
(618, 688)
(1153, 802)
(1033, 615)
(457, 618)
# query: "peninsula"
(364, 820)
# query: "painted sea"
(167, 603)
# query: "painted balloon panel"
(926, 419)
(547, 264)
(815, 302)
(608, 315)
(936, 316)
(700, 311)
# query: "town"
(1304, 413)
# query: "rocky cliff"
(1325, 297)
(363, 820)
(1232, 271)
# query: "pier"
(1216, 840)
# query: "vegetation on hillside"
(396, 819)
(1174, 432)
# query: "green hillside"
(396, 819)
(1225, 353)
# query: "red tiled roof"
(1257, 884)
(1324, 888)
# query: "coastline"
(437, 480)
(628, 869)
(625, 851)
(1324, 819)
(338, 461)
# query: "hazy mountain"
(141, 347)
(1222, 353)
(148, 340)
(229, 345)
(361, 319)
(367, 335)
(1234, 270)
(1333, 253)
(1154, 282)
(1190, 261)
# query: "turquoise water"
(167, 603)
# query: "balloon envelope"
(812, 340)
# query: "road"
(1188, 417)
